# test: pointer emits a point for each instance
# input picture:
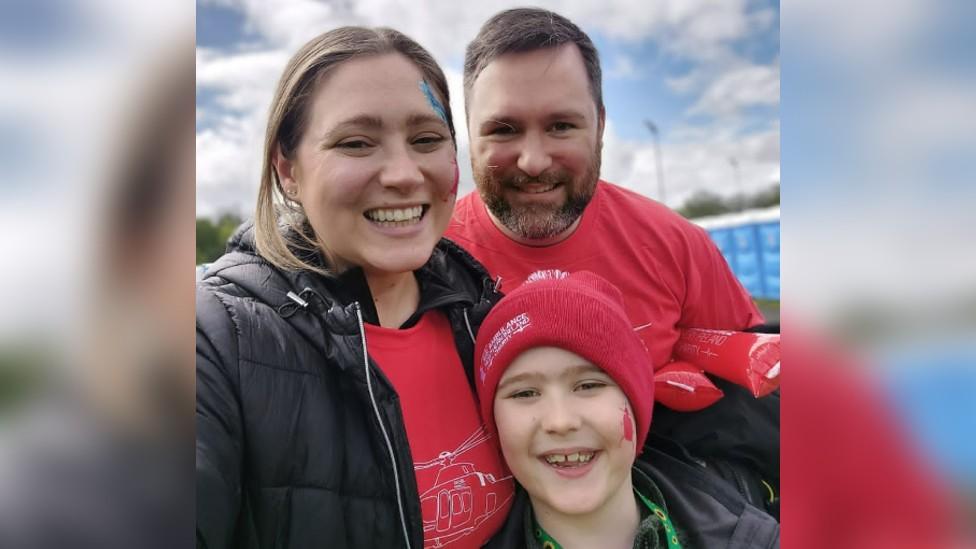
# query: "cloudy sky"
(707, 73)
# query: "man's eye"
(562, 126)
(501, 129)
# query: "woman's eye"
(353, 144)
(429, 140)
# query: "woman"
(335, 338)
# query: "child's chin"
(573, 504)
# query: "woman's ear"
(287, 174)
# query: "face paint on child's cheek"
(628, 427)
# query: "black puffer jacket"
(300, 438)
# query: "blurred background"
(96, 304)
(97, 165)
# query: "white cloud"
(697, 164)
(622, 68)
(686, 83)
(701, 31)
(243, 81)
(738, 88)
(229, 166)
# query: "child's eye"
(524, 393)
(590, 385)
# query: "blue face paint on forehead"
(432, 99)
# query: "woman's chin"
(396, 262)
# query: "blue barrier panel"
(769, 252)
(747, 263)
(723, 239)
(749, 241)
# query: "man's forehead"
(517, 84)
(533, 65)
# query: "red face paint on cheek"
(457, 178)
(628, 426)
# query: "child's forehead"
(550, 362)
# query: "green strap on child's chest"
(670, 533)
(548, 542)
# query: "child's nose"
(560, 416)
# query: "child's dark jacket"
(706, 510)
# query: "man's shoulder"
(631, 207)
(465, 204)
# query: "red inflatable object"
(683, 387)
(746, 359)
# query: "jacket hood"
(451, 275)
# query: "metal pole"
(660, 167)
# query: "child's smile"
(561, 428)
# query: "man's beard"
(538, 221)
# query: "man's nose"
(400, 170)
(534, 158)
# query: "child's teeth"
(566, 459)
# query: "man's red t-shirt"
(465, 489)
(669, 271)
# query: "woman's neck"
(395, 296)
(613, 525)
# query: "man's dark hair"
(523, 30)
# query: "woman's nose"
(401, 171)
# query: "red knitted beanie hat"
(579, 312)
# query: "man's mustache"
(520, 180)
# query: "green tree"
(702, 204)
(212, 237)
(765, 198)
(705, 203)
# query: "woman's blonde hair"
(282, 232)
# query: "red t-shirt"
(465, 489)
(669, 271)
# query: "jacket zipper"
(386, 436)
(467, 324)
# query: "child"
(567, 385)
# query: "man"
(535, 117)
